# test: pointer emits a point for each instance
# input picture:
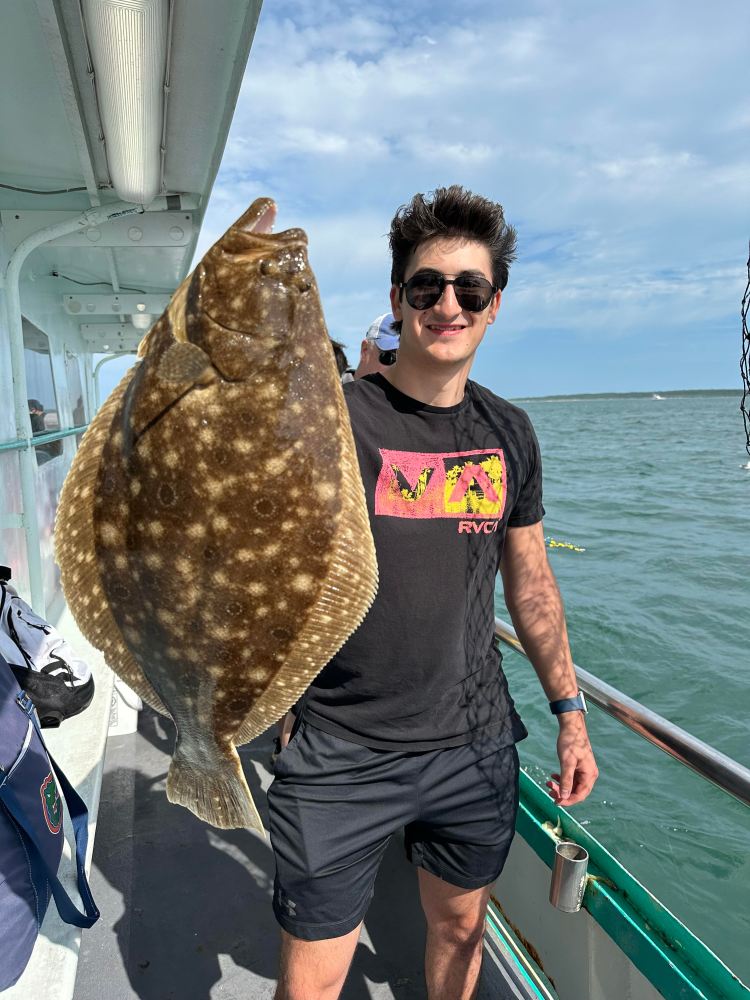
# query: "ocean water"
(658, 606)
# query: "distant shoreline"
(655, 394)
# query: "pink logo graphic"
(469, 475)
(441, 484)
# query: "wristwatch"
(577, 704)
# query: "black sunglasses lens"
(473, 294)
(388, 358)
(423, 290)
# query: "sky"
(616, 136)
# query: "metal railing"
(37, 439)
(709, 763)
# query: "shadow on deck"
(186, 909)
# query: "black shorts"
(335, 804)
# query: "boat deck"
(186, 909)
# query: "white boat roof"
(51, 141)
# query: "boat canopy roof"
(89, 102)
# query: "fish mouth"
(252, 234)
(253, 274)
(260, 217)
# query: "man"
(342, 362)
(411, 724)
(378, 350)
(50, 450)
(36, 416)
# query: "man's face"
(445, 333)
(369, 360)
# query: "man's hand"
(578, 770)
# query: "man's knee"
(461, 932)
(455, 917)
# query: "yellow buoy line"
(553, 543)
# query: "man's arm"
(536, 609)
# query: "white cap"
(381, 332)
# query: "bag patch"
(51, 804)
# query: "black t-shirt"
(423, 670)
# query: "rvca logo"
(461, 484)
(477, 527)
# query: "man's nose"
(447, 304)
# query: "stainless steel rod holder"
(568, 876)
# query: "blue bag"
(31, 837)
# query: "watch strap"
(577, 704)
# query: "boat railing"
(705, 760)
(38, 439)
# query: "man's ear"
(494, 306)
(363, 347)
(396, 303)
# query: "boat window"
(75, 391)
(40, 387)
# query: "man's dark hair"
(452, 212)
(338, 352)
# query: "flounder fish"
(212, 533)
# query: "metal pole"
(103, 361)
(709, 763)
(27, 457)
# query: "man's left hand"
(578, 770)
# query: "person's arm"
(536, 609)
(285, 728)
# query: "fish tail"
(213, 787)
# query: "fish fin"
(175, 312)
(145, 344)
(150, 396)
(212, 786)
(171, 367)
(183, 362)
(75, 551)
(342, 603)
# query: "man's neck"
(436, 386)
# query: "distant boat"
(657, 396)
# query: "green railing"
(20, 443)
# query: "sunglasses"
(388, 358)
(425, 288)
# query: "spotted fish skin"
(215, 514)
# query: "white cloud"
(656, 166)
(614, 135)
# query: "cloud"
(615, 136)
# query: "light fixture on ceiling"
(142, 321)
(128, 42)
